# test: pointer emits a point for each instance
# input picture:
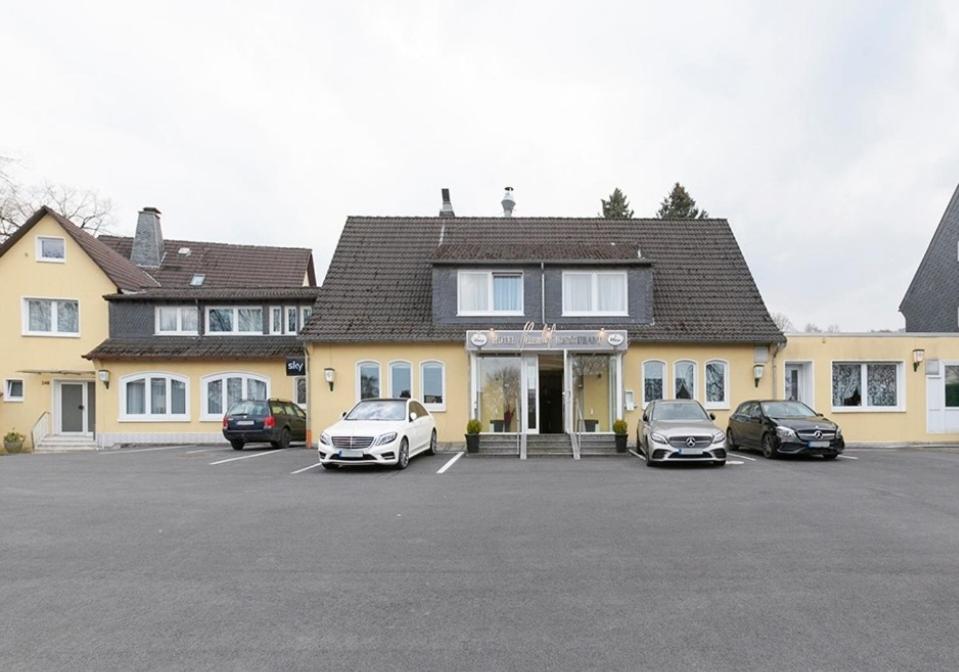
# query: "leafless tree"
(811, 328)
(783, 322)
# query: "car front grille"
(811, 435)
(683, 441)
(352, 441)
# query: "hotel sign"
(583, 340)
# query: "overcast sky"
(828, 134)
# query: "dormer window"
(594, 293)
(51, 249)
(490, 293)
(176, 320)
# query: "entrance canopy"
(529, 340)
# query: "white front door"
(530, 397)
(797, 383)
(72, 408)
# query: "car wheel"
(237, 445)
(730, 444)
(404, 457)
(649, 459)
(330, 466)
(769, 448)
(432, 450)
(284, 441)
(830, 456)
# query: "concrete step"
(545, 445)
(591, 445)
(65, 444)
(499, 445)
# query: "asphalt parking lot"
(191, 559)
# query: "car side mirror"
(645, 418)
(343, 414)
(712, 416)
(413, 416)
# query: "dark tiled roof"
(378, 287)
(549, 252)
(226, 265)
(122, 272)
(194, 347)
(223, 293)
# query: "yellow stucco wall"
(907, 424)
(111, 429)
(21, 275)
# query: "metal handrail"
(41, 429)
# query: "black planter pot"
(472, 443)
(621, 443)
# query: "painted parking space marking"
(203, 450)
(847, 457)
(141, 450)
(452, 461)
(734, 462)
(248, 457)
(633, 452)
(312, 466)
(745, 457)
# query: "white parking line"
(636, 454)
(734, 462)
(247, 457)
(141, 450)
(745, 457)
(312, 466)
(442, 470)
(847, 457)
(202, 450)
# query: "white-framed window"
(867, 386)
(234, 320)
(305, 313)
(222, 390)
(717, 384)
(368, 380)
(684, 379)
(154, 397)
(13, 389)
(276, 320)
(489, 293)
(654, 381)
(401, 380)
(291, 320)
(177, 320)
(51, 249)
(51, 317)
(587, 293)
(433, 385)
(299, 391)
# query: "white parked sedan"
(379, 431)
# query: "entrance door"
(797, 382)
(73, 404)
(531, 414)
(551, 396)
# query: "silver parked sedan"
(680, 431)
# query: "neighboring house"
(437, 308)
(931, 303)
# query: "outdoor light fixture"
(329, 375)
(757, 373)
(104, 377)
(918, 355)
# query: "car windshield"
(787, 409)
(254, 408)
(685, 411)
(378, 410)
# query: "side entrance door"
(73, 408)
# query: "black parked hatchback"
(783, 428)
(276, 421)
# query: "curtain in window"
(716, 382)
(652, 381)
(473, 292)
(401, 381)
(52, 248)
(952, 386)
(221, 320)
(369, 381)
(136, 397)
(301, 390)
(507, 292)
(177, 397)
(846, 385)
(881, 384)
(214, 397)
(168, 319)
(158, 396)
(611, 292)
(67, 315)
(685, 380)
(256, 389)
(189, 319)
(432, 384)
(276, 320)
(250, 320)
(39, 315)
(291, 320)
(577, 296)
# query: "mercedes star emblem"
(691, 442)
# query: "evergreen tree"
(680, 205)
(617, 207)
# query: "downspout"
(542, 292)
(773, 351)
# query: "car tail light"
(270, 422)
(226, 422)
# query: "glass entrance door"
(530, 408)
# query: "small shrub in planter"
(13, 442)
(473, 428)
(620, 428)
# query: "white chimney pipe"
(508, 202)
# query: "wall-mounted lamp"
(918, 355)
(757, 373)
(104, 377)
(329, 375)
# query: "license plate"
(244, 423)
(818, 444)
(690, 451)
(351, 453)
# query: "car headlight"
(658, 438)
(389, 437)
(838, 433)
(325, 439)
(718, 437)
(785, 433)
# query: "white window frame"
(433, 408)
(296, 382)
(490, 274)
(594, 294)
(356, 376)
(180, 331)
(236, 321)
(304, 317)
(223, 375)
(642, 381)
(716, 405)
(149, 416)
(282, 312)
(672, 380)
(900, 406)
(51, 260)
(6, 390)
(389, 369)
(53, 333)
